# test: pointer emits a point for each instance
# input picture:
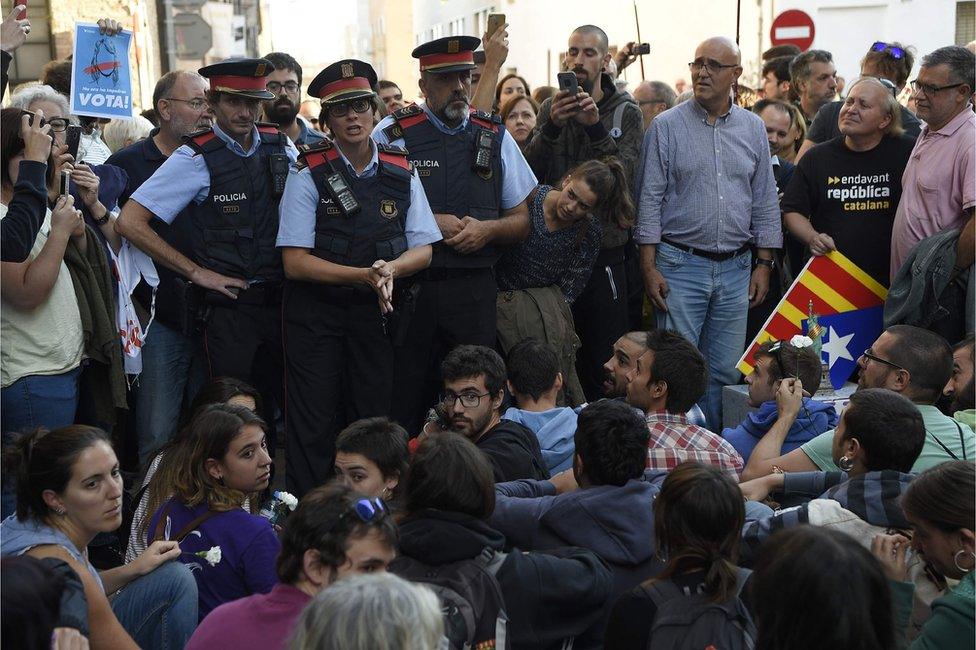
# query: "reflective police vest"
(445, 164)
(233, 231)
(377, 230)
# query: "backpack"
(693, 622)
(471, 600)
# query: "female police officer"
(353, 218)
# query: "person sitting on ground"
(611, 511)
(534, 381)
(961, 387)
(833, 580)
(908, 360)
(474, 389)
(42, 605)
(697, 519)
(328, 538)
(450, 496)
(876, 443)
(371, 458)
(939, 506)
(345, 616)
(167, 464)
(540, 278)
(776, 361)
(666, 380)
(69, 489)
(232, 552)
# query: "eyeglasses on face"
(58, 124)
(358, 105)
(710, 65)
(468, 400)
(929, 90)
(895, 51)
(275, 87)
(870, 355)
(196, 104)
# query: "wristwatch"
(104, 218)
(770, 264)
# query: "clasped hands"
(379, 277)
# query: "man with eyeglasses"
(172, 366)
(904, 359)
(220, 192)
(889, 63)
(354, 221)
(706, 198)
(470, 405)
(285, 83)
(653, 98)
(940, 180)
(477, 182)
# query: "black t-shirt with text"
(852, 196)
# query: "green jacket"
(953, 621)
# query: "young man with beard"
(905, 359)
(286, 85)
(961, 388)
(474, 383)
(596, 122)
(477, 183)
(813, 76)
(172, 366)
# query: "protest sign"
(101, 85)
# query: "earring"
(220, 479)
(955, 560)
(59, 512)
(387, 493)
(845, 463)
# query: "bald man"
(653, 97)
(706, 196)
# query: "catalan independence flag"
(835, 285)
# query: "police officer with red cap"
(354, 220)
(477, 183)
(220, 190)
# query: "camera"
(641, 48)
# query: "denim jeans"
(159, 609)
(708, 304)
(48, 401)
(172, 366)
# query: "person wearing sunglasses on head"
(905, 359)
(333, 534)
(889, 63)
(354, 220)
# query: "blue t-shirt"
(248, 550)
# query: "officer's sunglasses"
(358, 105)
(895, 51)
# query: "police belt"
(709, 255)
(442, 273)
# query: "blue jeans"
(159, 609)
(708, 304)
(48, 401)
(172, 366)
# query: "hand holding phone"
(568, 82)
(494, 22)
(72, 138)
(23, 12)
(65, 186)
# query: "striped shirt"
(709, 186)
(675, 440)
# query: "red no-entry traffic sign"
(793, 27)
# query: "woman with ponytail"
(541, 277)
(698, 518)
(68, 490)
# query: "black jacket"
(514, 452)
(549, 596)
(25, 213)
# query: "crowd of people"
(359, 372)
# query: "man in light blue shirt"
(477, 182)
(706, 194)
(220, 191)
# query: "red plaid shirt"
(674, 440)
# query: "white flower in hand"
(288, 499)
(800, 341)
(212, 556)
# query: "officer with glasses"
(354, 220)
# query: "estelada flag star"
(836, 286)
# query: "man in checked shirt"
(664, 383)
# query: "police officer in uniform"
(477, 182)
(220, 190)
(354, 219)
